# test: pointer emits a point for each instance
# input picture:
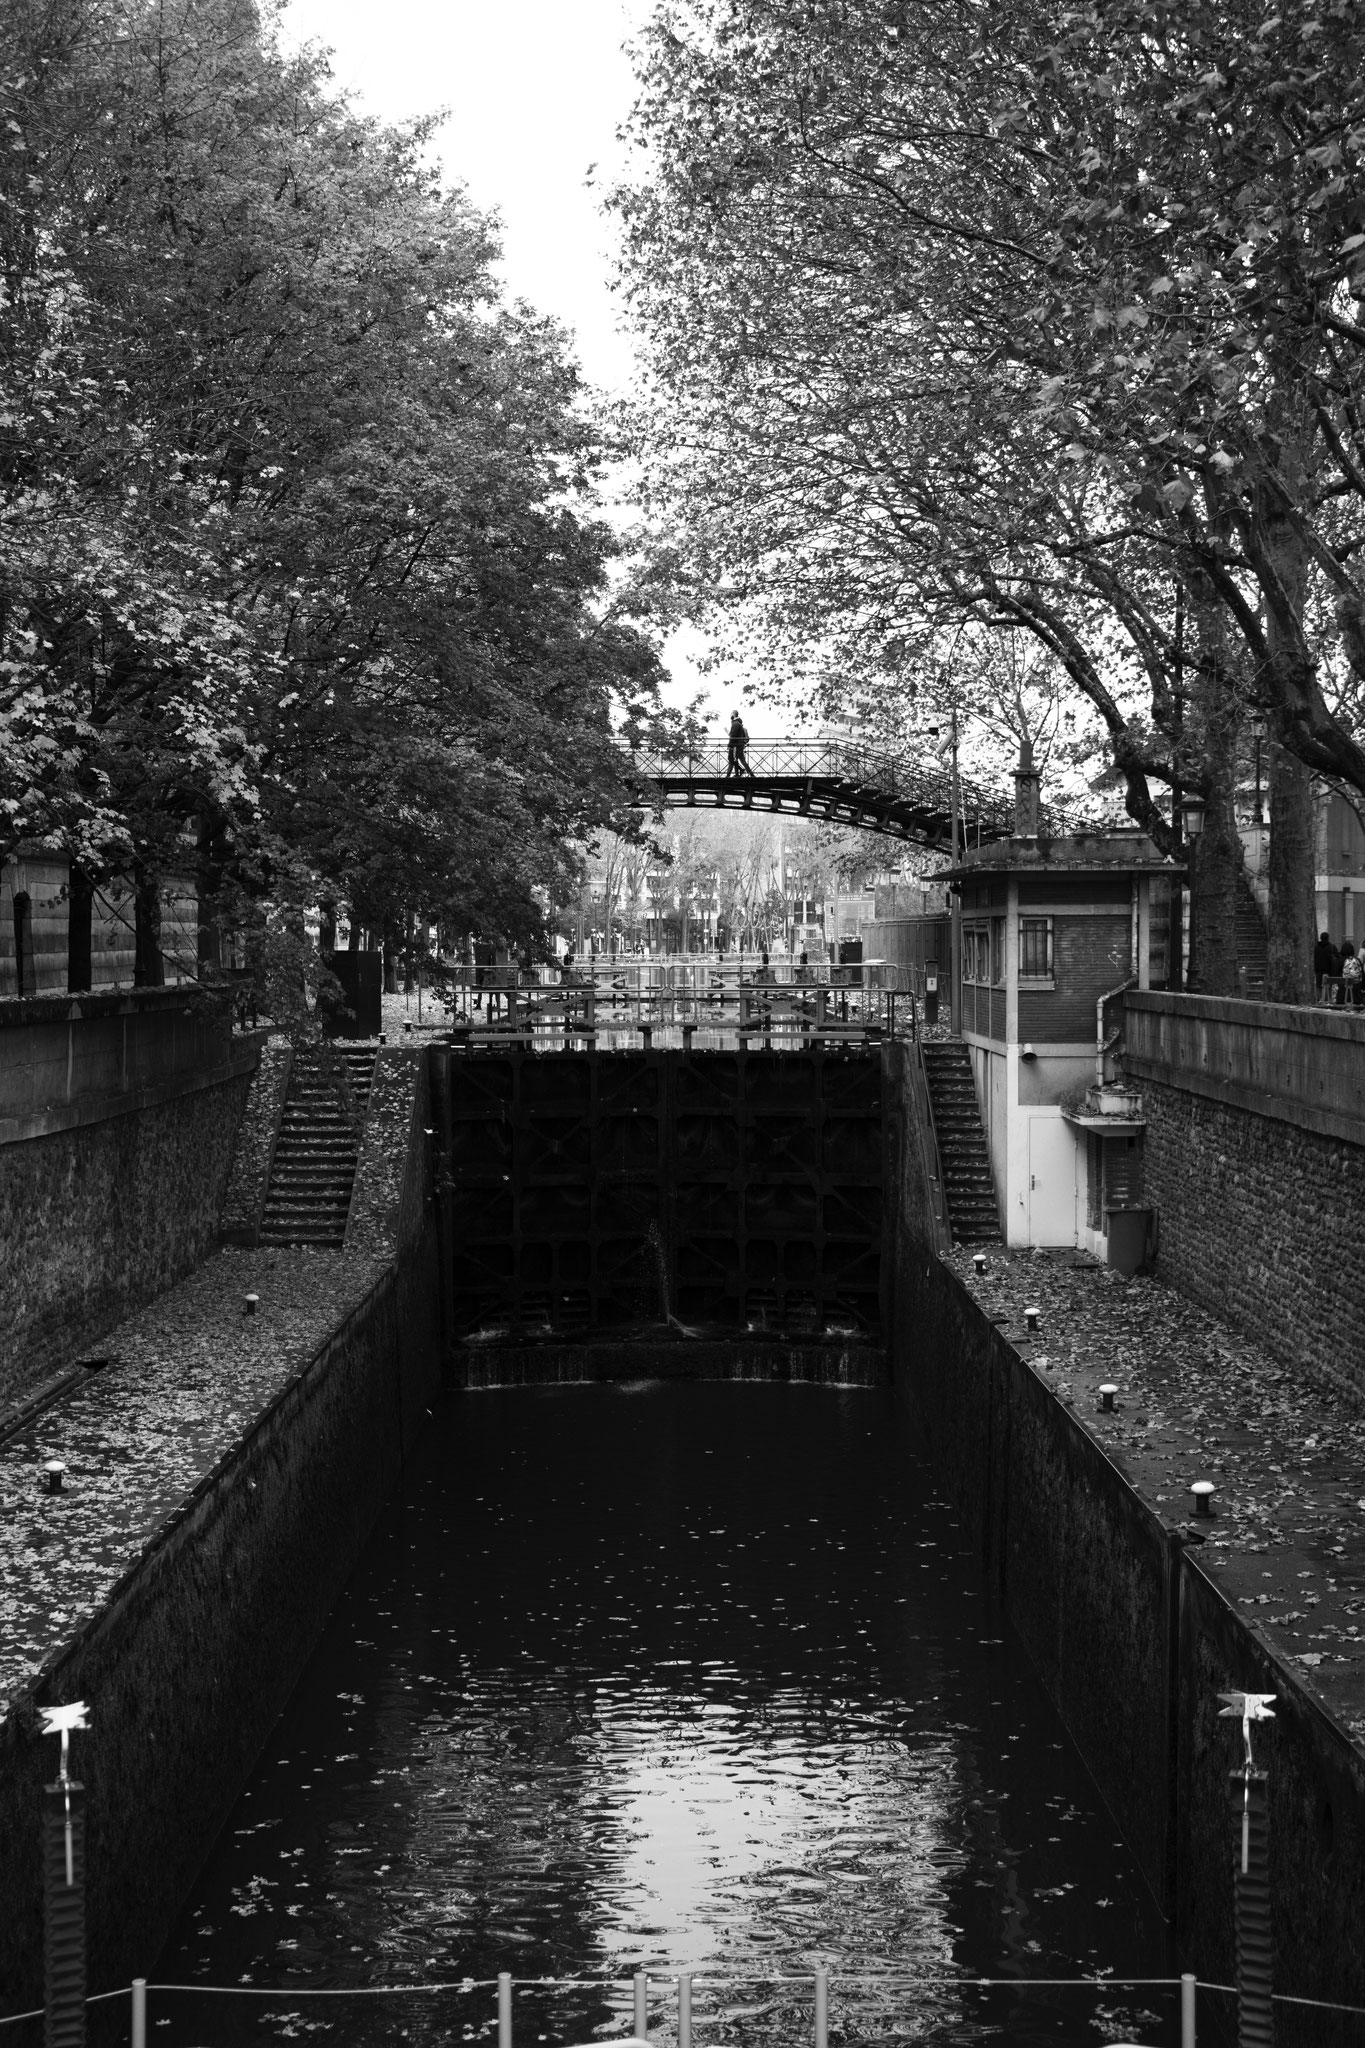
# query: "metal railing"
(819, 1982)
(864, 780)
(861, 781)
(633, 1000)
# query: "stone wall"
(1254, 1158)
(100, 1217)
(254, 1154)
(195, 1654)
(393, 1174)
(1133, 1640)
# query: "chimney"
(1026, 785)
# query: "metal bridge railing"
(852, 774)
(830, 764)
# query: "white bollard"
(139, 2012)
(822, 2009)
(1187, 2010)
(504, 2010)
(685, 2010)
(641, 2006)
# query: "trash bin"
(1126, 1234)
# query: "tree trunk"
(1293, 901)
(1215, 855)
(149, 969)
(80, 904)
(353, 932)
(1292, 934)
(327, 925)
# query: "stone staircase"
(313, 1170)
(1252, 944)
(968, 1186)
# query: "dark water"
(669, 1676)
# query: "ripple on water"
(666, 1677)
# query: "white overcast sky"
(536, 90)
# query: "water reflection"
(668, 1677)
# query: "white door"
(1051, 1181)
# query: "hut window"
(1035, 948)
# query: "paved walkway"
(186, 1378)
(1198, 1401)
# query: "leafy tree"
(299, 541)
(971, 314)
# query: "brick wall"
(1090, 956)
(1254, 1156)
(1262, 1222)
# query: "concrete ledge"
(97, 1109)
(1303, 1066)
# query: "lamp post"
(1192, 809)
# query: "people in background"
(738, 762)
(1350, 975)
(1325, 963)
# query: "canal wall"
(1131, 1636)
(1254, 1159)
(118, 1115)
(196, 1639)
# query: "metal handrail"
(924, 1094)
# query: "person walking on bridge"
(738, 763)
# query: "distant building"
(1340, 863)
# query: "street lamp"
(1192, 809)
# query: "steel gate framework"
(750, 1185)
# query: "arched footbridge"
(836, 780)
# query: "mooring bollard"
(641, 2006)
(504, 2010)
(1107, 1393)
(685, 2010)
(1187, 2010)
(139, 2029)
(1203, 1496)
(822, 2008)
(1031, 1321)
(56, 1472)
